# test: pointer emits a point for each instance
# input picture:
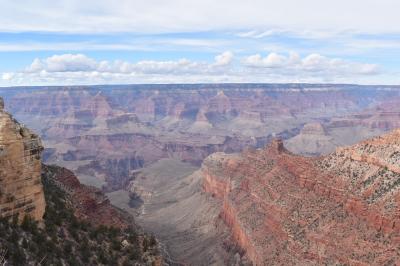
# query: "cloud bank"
(226, 67)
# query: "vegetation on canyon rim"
(64, 239)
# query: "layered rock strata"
(104, 133)
(21, 191)
(285, 209)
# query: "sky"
(70, 42)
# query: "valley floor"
(178, 212)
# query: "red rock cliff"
(285, 209)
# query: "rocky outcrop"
(285, 209)
(311, 141)
(385, 116)
(146, 109)
(219, 103)
(201, 116)
(21, 191)
(250, 116)
(178, 110)
(313, 129)
(98, 106)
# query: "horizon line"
(200, 84)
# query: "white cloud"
(224, 59)
(274, 67)
(313, 64)
(273, 60)
(36, 66)
(63, 63)
(83, 63)
(7, 76)
(70, 62)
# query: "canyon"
(189, 163)
(48, 216)
(21, 180)
(105, 133)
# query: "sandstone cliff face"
(21, 191)
(285, 209)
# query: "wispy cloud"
(70, 46)
(113, 43)
(176, 16)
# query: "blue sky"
(98, 42)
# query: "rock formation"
(312, 140)
(385, 116)
(220, 103)
(313, 129)
(21, 191)
(285, 209)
